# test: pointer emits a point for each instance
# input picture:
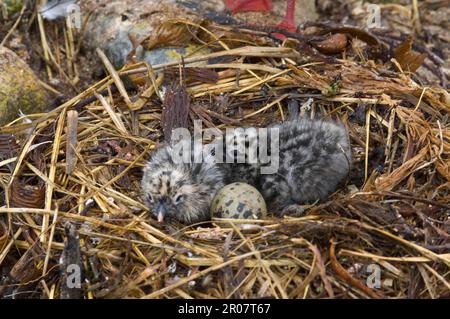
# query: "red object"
(289, 19)
(248, 5)
(288, 22)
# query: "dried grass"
(394, 211)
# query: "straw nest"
(71, 181)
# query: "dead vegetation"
(79, 166)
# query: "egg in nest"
(238, 201)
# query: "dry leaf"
(27, 196)
(408, 59)
(169, 34)
(192, 74)
(333, 44)
(175, 111)
(8, 146)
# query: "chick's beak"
(160, 217)
(160, 212)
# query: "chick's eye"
(150, 198)
(178, 198)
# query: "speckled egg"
(239, 201)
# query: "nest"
(72, 183)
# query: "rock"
(19, 88)
(10, 7)
(239, 201)
(114, 22)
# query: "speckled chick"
(314, 158)
(182, 191)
